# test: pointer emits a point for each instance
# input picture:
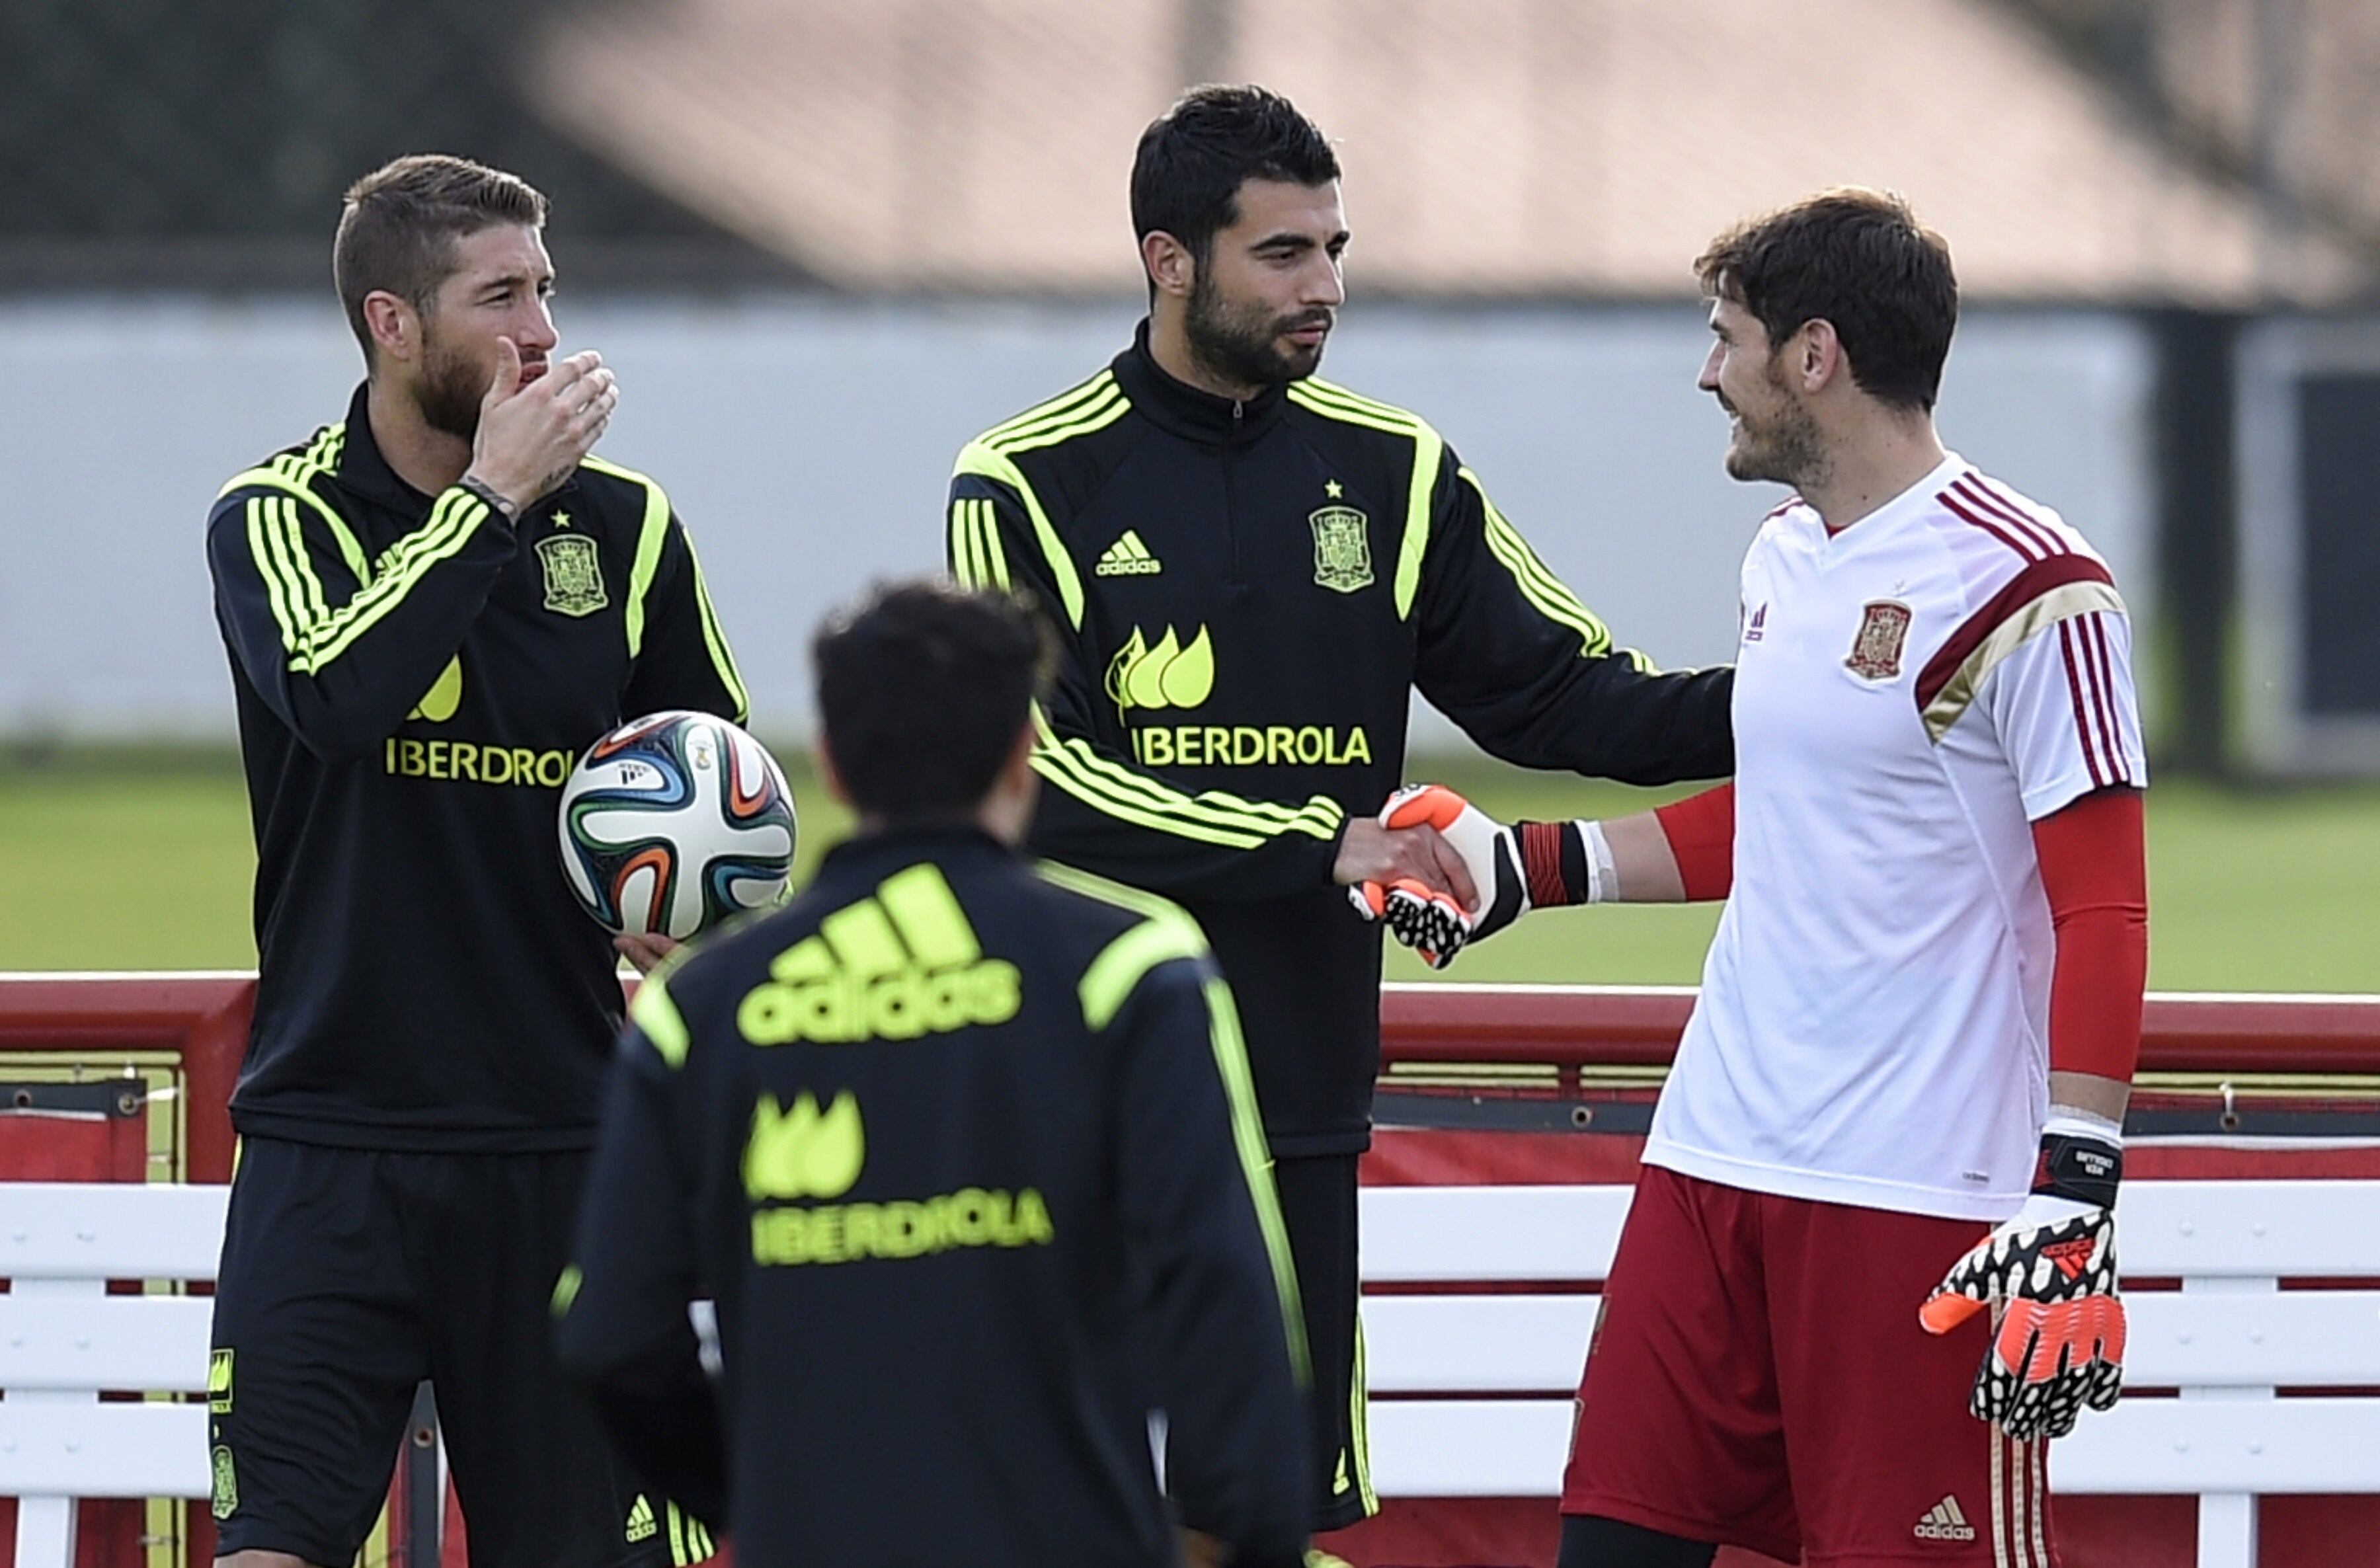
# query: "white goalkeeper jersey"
(1910, 695)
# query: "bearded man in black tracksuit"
(1250, 570)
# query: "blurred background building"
(825, 240)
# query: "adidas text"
(844, 1009)
(1945, 1522)
(1127, 557)
(900, 965)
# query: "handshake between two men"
(1514, 867)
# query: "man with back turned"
(964, 1146)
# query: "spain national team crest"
(1883, 630)
(573, 576)
(1342, 549)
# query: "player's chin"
(1300, 358)
(1744, 460)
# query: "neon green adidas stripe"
(453, 520)
(977, 557)
(1256, 1163)
(1067, 402)
(652, 536)
(715, 641)
(1429, 454)
(1108, 786)
(1052, 763)
(265, 552)
(1328, 396)
(1319, 815)
(657, 1017)
(1098, 416)
(1112, 977)
(285, 529)
(351, 552)
(1546, 592)
(983, 462)
(1094, 413)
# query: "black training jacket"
(1247, 593)
(964, 1150)
(416, 677)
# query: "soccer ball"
(672, 823)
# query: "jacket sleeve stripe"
(973, 535)
(1546, 592)
(268, 568)
(1949, 689)
(985, 463)
(1212, 817)
(1256, 1164)
(652, 535)
(654, 1014)
(1109, 981)
(349, 550)
(1054, 764)
(652, 541)
(988, 542)
(1168, 933)
(975, 546)
(1328, 402)
(1429, 454)
(1096, 415)
(306, 585)
(715, 639)
(1319, 815)
(955, 551)
(457, 516)
(1066, 405)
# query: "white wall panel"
(808, 442)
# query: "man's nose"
(538, 331)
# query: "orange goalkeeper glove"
(1516, 868)
(2049, 1274)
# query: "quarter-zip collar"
(364, 471)
(1182, 409)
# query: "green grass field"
(125, 862)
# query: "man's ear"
(1818, 355)
(1170, 267)
(394, 325)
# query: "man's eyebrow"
(1287, 239)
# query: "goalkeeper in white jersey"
(1877, 1199)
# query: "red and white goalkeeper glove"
(2049, 1276)
(1515, 869)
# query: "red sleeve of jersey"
(2094, 866)
(1701, 831)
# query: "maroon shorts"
(1759, 1379)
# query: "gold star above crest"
(562, 519)
(1333, 488)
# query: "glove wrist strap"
(1560, 864)
(2082, 1159)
